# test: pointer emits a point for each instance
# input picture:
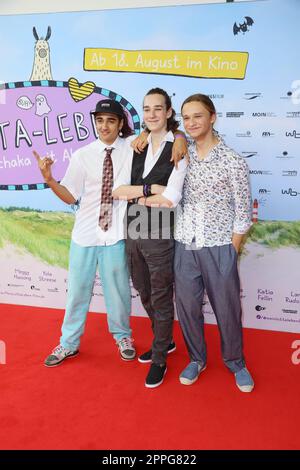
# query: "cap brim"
(106, 112)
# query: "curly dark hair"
(172, 124)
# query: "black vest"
(151, 222)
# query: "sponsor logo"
(289, 172)
(234, 114)
(252, 96)
(55, 289)
(293, 114)
(267, 134)
(260, 172)
(287, 96)
(293, 94)
(244, 134)
(34, 288)
(290, 192)
(281, 319)
(285, 155)
(249, 154)
(264, 191)
(259, 308)
(294, 134)
(263, 114)
(286, 310)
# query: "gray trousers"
(151, 269)
(214, 269)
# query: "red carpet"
(98, 401)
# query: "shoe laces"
(126, 343)
(59, 349)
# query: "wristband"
(147, 190)
(178, 136)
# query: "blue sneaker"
(244, 380)
(191, 373)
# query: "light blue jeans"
(112, 265)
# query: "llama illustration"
(41, 66)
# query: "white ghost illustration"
(41, 105)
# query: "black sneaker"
(147, 356)
(155, 375)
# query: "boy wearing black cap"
(98, 232)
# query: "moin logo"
(260, 172)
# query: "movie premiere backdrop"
(55, 67)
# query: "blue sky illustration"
(274, 65)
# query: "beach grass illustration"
(46, 235)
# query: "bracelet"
(178, 136)
(147, 190)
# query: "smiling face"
(108, 127)
(198, 121)
(156, 114)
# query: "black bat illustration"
(244, 26)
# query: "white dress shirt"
(175, 182)
(83, 179)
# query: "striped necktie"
(106, 205)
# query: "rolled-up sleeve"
(173, 191)
(74, 177)
(242, 196)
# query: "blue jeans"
(112, 265)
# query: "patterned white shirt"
(216, 198)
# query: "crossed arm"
(128, 193)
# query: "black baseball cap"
(109, 106)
